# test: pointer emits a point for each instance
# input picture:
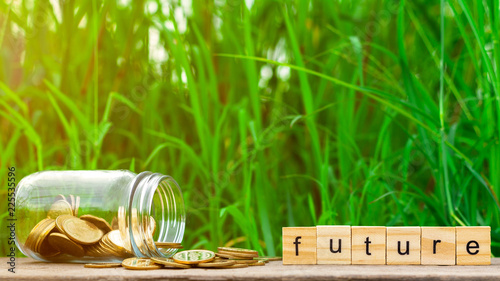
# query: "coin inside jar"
(59, 208)
(65, 245)
(99, 222)
(81, 231)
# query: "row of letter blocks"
(387, 245)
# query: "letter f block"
(334, 244)
(299, 245)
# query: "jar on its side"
(98, 216)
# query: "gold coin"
(60, 197)
(169, 262)
(65, 245)
(101, 223)
(149, 225)
(77, 206)
(261, 259)
(114, 223)
(235, 266)
(217, 264)
(238, 250)
(244, 261)
(81, 231)
(122, 226)
(258, 263)
(139, 242)
(59, 208)
(33, 234)
(60, 220)
(272, 258)
(194, 256)
(42, 235)
(227, 256)
(35, 245)
(140, 264)
(239, 255)
(102, 265)
(169, 245)
(115, 239)
(72, 202)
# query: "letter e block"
(403, 245)
(334, 244)
(438, 246)
(299, 245)
(473, 245)
(368, 244)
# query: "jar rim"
(157, 196)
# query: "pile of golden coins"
(225, 258)
(63, 232)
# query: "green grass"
(287, 113)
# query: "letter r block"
(438, 246)
(299, 245)
(403, 245)
(334, 244)
(473, 245)
(368, 244)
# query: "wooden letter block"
(368, 244)
(299, 245)
(473, 245)
(438, 246)
(403, 245)
(334, 244)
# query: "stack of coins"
(240, 256)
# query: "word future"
(387, 245)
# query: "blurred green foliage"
(268, 113)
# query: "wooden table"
(28, 269)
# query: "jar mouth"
(157, 214)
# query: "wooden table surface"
(29, 269)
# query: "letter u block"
(299, 245)
(334, 244)
(368, 244)
(403, 245)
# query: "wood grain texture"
(398, 240)
(473, 245)
(336, 238)
(372, 252)
(299, 245)
(30, 270)
(438, 246)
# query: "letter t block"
(368, 244)
(299, 245)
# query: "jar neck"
(156, 213)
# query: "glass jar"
(98, 216)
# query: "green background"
(268, 113)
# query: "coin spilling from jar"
(63, 232)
